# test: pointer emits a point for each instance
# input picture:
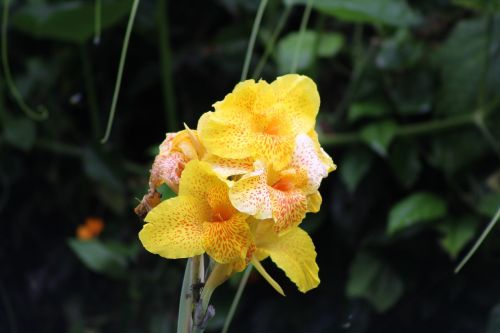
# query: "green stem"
(253, 36)
(91, 93)
(41, 112)
(272, 41)
(237, 297)
(303, 25)
(485, 233)
(166, 65)
(97, 22)
(185, 301)
(197, 279)
(403, 131)
(123, 56)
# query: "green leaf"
(374, 280)
(412, 92)
(415, 209)
(69, 21)
(20, 132)
(97, 170)
(461, 60)
(452, 152)
(484, 6)
(389, 12)
(99, 257)
(489, 204)
(457, 233)
(405, 162)
(363, 110)
(165, 192)
(354, 165)
(398, 52)
(326, 44)
(379, 135)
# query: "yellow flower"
(288, 194)
(200, 219)
(260, 120)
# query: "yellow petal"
(289, 208)
(298, 98)
(250, 194)
(274, 149)
(248, 98)
(314, 202)
(227, 241)
(294, 253)
(174, 228)
(226, 139)
(268, 277)
(200, 181)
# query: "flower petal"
(229, 139)
(306, 157)
(274, 149)
(200, 181)
(325, 158)
(294, 253)
(227, 241)
(267, 277)
(314, 202)
(226, 167)
(289, 208)
(250, 194)
(298, 99)
(174, 228)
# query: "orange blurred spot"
(90, 229)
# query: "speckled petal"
(289, 208)
(298, 99)
(227, 241)
(250, 194)
(226, 167)
(228, 139)
(306, 157)
(174, 228)
(201, 182)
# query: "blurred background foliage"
(410, 112)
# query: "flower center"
(284, 184)
(221, 214)
(273, 127)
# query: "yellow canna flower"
(286, 195)
(259, 120)
(200, 219)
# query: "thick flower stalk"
(245, 179)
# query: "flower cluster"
(245, 180)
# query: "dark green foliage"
(410, 112)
